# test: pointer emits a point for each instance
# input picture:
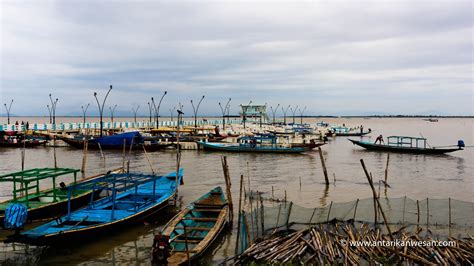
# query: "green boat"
(43, 203)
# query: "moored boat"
(193, 230)
(43, 203)
(132, 198)
(403, 144)
(260, 143)
(135, 139)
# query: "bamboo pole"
(129, 156)
(427, 214)
(386, 168)
(375, 196)
(239, 216)
(84, 159)
(262, 215)
(123, 153)
(54, 151)
(324, 166)
(449, 218)
(186, 243)
(404, 206)
(417, 214)
(225, 169)
(288, 216)
(329, 212)
(148, 159)
(278, 218)
(355, 210)
(311, 218)
(103, 158)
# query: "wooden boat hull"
(387, 148)
(79, 144)
(234, 148)
(216, 207)
(28, 144)
(91, 233)
(354, 134)
(54, 209)
(100, 217)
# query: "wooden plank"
(207, 210)
(194, 228)
(200, 219)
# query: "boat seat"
(194, 228)
(207, 210)
(190, 241)
(199, 219)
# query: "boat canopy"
(28, 182)
(405, 141)
(118, 139)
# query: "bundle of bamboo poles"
(331, 244)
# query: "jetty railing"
(111, 125)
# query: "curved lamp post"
(50, 115)
(135, 110)
(112, 111)
(101, 107)
(8, 110)
(157, 110)
(84, 111)
(293, 111)
(284, 113)
(301, 114)
(196, 109)
(53, 108)
(274, 112)
(223, 110)
(171, 112)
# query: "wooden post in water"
(404, 205)
(288, 216)
(239, 216)
(225, 169)
(129, 156)
(325, 171)
(123, 153)
(311, 218)
(272, 194)
(23, 153)
(376, 198)
(148, 159)
(178, 150)
(355, 210)
(449, 220)
(417, 214)
(427, 214)
(278, 217)
(103, 158)
(329, 212)
(54, 151)
(262, 214)
(386, 168)
(186, 243)
(84, 159)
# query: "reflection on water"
(416, 176)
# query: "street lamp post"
(8, 111)
(171, 112)
(293, 111)
(223, 110)
(53, 107)
(112, 110)
(274, 112)
(84, 111)
(301, 114)
(135, 113)
(196, 109)
(101, 107)
(50, 115)
(284, 113)
(149, 108)
(157, 110)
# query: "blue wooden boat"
(403, 144)
(260, 143)
(135, 139)
(132, 198)
(193, 230)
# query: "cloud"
(335, 57)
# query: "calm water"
(416, 176)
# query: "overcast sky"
(335, 57)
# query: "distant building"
(254, 112)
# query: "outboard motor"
(15, 217)
(161, 249)
(461, 144)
